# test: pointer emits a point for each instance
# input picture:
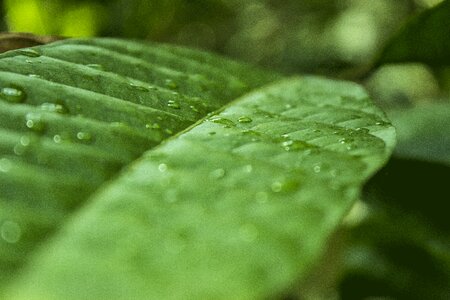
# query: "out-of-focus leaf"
(424, 39)
(401, 249)
(73, 113)
(237, 207)
(423, 132)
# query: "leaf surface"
(238, 206)
(423, 39)
(73, 113)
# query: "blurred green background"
(395, 243)
(293, 36)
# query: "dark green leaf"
(400, 249)
(239, 206)
(424, 39)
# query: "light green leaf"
(424, 39)
(238, 206)
(73, 113)
(423, 132)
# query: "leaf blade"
(68, 124)
(254, 202)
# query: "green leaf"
(73, 113)
(423, 132)
(238, 206)
(424, 39)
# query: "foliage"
(99, 134)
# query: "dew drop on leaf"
(193, 108)
(21, 147)
(171, 84)
(53, 107)
(84, 136)
(34, 122)
(138, 87)
(244, 119)
(34, 76)
(173, 104)
(5, 165)
(276, 187)
(162, 167)
(29, 52)
(57, 138)
(95, 66)
(13, 94)
(224, 121)
(153, 126)
(10, 232)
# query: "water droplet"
(21, 147)
(317, 169)
(95, 66)
(244, 119)
(171, 84)
(5, 165)
(30, 52)
(343, 140)
(57, 138)
(333, 172)
(53, 107)
(220, 120)
(84, 136)
(10, 232)
(162, 168)
(13, 94)
(285, 136)
(34, 76)
(194, 109)
(173, 104)
(218, 173)
(34, 122)
(288, 106)
(138, 87)
(287, 143)
(276, 187)
(168, 131)
(153, 126)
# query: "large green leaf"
(424, 39)
(73, 113)
(238, 206)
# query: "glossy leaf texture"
(74, 112)
(238, 206)
(424, 38)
